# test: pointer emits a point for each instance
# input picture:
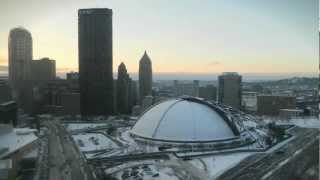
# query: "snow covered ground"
(301, 122)
(308, 123)
(250, 124)
(78, 126)
(93, 141)
(210, 166)
(109, 153)
(124, 136)
(31, 154)
(147, 172)
(216, 165)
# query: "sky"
(181, 36)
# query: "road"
(259, 165)
(65, 161)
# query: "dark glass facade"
(95, 61)
(230, 89)
(123, 90)
(145, 76)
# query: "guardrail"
(132, 157)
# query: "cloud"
(214, 63)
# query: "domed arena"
(188, 120)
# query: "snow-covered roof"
(15, 139)
(93, 141)
(79, 126)
(216, 165)
(183, 120)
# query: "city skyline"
(140, 89)
(208, 39)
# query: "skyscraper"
(122, 90)
(133, 94)
(230, 89)
(43, 69)
(20, 55)
(95, 61)
(145, 76)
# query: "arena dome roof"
(184, 120)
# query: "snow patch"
(216, 165)
(93, 141)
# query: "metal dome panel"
(181, 120)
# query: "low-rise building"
(208, 92)
(271, 104)
(291, 113)
(15, 143)
(43, 69)
(249, 101)
(72, 76)
(186, 88)
(8, 113)
(6, 169)
(5, 91)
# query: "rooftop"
(184, 120)
(15, 139)
(93, 142)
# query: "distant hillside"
(295, 82)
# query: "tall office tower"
(122, 90)
(230, 89)
(71, 76)
(43, 69)
(145, 76)
(133, 94)
(95, 61)
(20, 55)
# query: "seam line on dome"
(158, 125)
(194, 134)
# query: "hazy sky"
(207, 36)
